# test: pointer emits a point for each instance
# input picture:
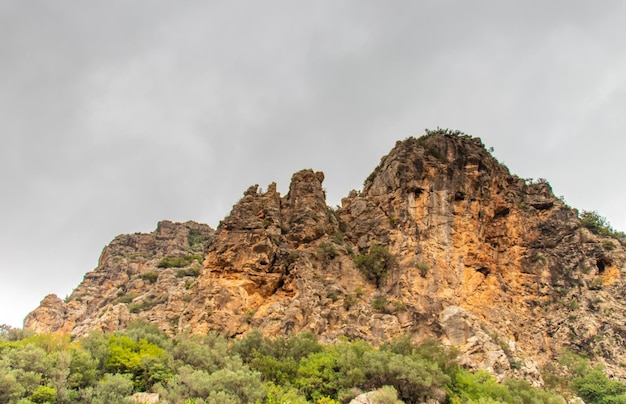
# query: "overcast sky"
(115, 115)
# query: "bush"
(423, 268)
(179, 262)
(107, 368)
(44, 394)
(596, 284)
(197, 241)
(326, 252)
(195, 272)
(151, 276)
(114, 388)
(590, 383)
(598, 224)
(376, 264)
(127, 298)
(379, 303)
(595, 387)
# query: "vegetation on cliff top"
(599, 225)
(107, 368)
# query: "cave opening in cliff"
(602, 263)
(484, 271)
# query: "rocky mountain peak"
(442, 241)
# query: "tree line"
(104, 368)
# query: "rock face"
(484, 260)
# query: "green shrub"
(594, 387)
(379, 303)
(179, 262)
(598, 224)
(608, 245)
(194, 272)
(376, 264)
(326, 251)
(590, 383)
(350, 301)
(127, 298)
(596, 284)
(114, 388)
(423, 268)
(44, 394)
(150, 276)
(333, 295)
(146, 304)
(197, 240)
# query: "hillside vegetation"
(110, 367)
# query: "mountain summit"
(442, 241)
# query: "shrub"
(326, 251)
(595, 387)
(379, 303)
(127, 298)
(146, 304)
(196, 239)
(598, 224)
(179, 262)
(195, 272)
(376, 264)
(596, 284)
(150, 276)
(589, 382)
(386, 395)
(44, 394)
(423, 268)
(349, 301)
(114, 388)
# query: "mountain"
(442, 241)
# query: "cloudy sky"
(115, 115)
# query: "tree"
(44, 394)
(113, 388)
(144, 360)
(376, 264)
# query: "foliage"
(179, 262)
(443, 131)
(194, 272)
(379, 303)
(150, 276)
(590, 383)
(596, 284)
(423, 268)
(598, 224)
(326, 252)
(109, 367)
(146, 303)
(197, 240)
(376, 264)
(44, 394)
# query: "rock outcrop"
(484, 260)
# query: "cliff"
(442, 241)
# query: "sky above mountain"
(115, 115)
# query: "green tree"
(113, 388)
(317, 376)
(10, 387)
(44, 394)
(145, 361)
(202, 352)
(376, 264)
(83, 369)
(595, 388)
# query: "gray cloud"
(116, 115)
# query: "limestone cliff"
(484, 260)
